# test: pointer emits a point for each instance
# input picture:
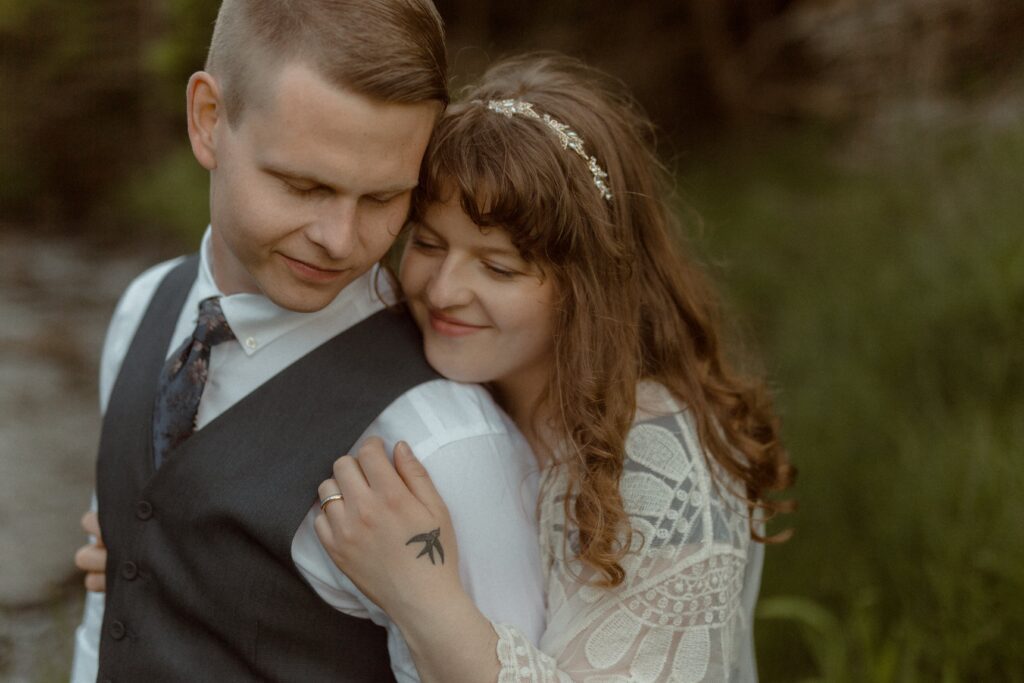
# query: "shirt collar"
(258, 322)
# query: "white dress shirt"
(479, 462)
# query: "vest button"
(129, 570)
(143, 510)
(117, 630)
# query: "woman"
(541, 263)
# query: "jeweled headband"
(566, 135)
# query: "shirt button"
(251, 343)
(129, 570)
(143, 510)
(117, 630)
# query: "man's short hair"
(391, 50)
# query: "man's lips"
(311, 273)
(451, 327)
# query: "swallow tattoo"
(430, 541)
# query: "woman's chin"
(451, 367)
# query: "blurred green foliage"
(887, 296)
(95, 98)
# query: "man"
(312, 118)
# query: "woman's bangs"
(497, 181)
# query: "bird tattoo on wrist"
(431, 541)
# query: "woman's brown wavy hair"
(632, 305)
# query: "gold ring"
(330, 499)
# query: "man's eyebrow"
(293, 175)
(395, 189)
(288, 174)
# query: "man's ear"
(205, 113)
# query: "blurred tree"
(95, 86)
(693, 62)
(844, 58)
(91, 104)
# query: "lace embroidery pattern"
(678, 615)
(520, 661)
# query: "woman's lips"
(311, 273)
(451, 327)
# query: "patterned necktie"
(183, 379)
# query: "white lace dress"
(684, 612)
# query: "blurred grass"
(886, 296)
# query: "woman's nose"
(449, 286)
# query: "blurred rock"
(36, 643)
(55, 300)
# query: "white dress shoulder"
(684, 611)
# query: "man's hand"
(92, 558)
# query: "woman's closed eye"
(500, 271)
(425, 245)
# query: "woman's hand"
(92, 557)
(391, 533)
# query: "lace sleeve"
(680, 614)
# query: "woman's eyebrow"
(422, 223)
(502, 251)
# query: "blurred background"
(851, 170)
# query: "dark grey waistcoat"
(200, 580)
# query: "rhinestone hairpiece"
(566, 135)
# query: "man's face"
(311, 187)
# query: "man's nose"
(449, 286)
(336, 229)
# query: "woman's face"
(486, 314)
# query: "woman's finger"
(379, 472)
(329, 493)
(416, 478)
(328, 487)
(324, 530)
(350, 479)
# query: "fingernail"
(403, 450)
